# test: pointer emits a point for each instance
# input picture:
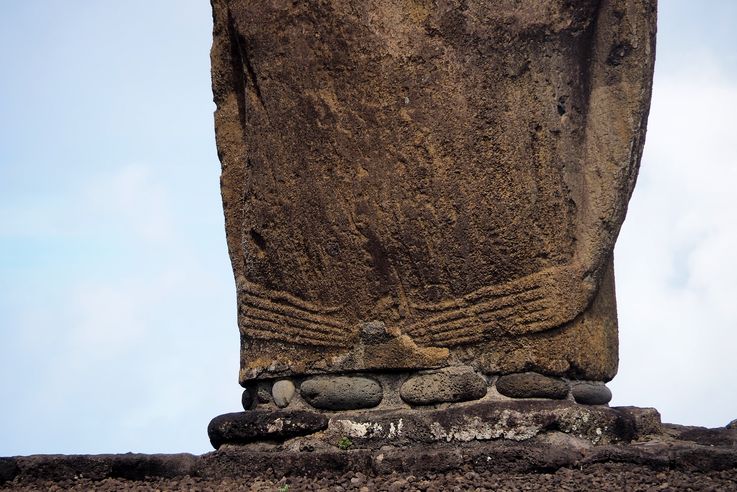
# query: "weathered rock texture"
(451, 384)
(458, 171)
(590, 393)
(243, 427)
(532, 385)
(341, 393)
(665, 457)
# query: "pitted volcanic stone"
(451, 384)
(590, 393)
(263, 392)
(531, 385)
(341, 392)
(258, 425)
(283, 391)
(514, 420)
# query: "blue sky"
(117, 305)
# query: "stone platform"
(514, 420)
(666, 450)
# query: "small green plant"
(345, 443)
(283, 488)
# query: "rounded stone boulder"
(532, 385)
(283, 391)
(452, 384)
(257, 425)
(341, 392)
(590, 392)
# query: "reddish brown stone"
(456, 171)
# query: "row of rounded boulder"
(448, 385)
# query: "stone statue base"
(455, 424)
(381, 405)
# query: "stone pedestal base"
(455, 424)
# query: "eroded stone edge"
(502, 456)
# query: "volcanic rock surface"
(675, 458)
(457, 171)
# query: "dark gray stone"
(257, 425)
(445, 385)
(283, 391)
(248, 399)
(706, 437)
(374, 332)
(732, 424)
(530, 459)
(8, 470)
(129, 466)
(512, 420)
(263, 392)
(644, 421)
(590, 393)
(532, 385)
(341, 392)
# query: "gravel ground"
(618, 477)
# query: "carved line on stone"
(306, 328)
(538, 302)
(324, 323)
(275, 315)
(267, 325)
(272, 331)
(276, 295)
(494, 291)
(494, 306)
(473, 322)
(476, 331)
(522, 311)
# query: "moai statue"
(422, 197)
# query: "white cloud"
(676, 263)
(136, 200)
(136, 345)
(129, 200)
